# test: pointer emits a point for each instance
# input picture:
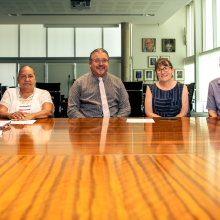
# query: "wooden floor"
(109, 169)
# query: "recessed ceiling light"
(14, 15)
(149, 14)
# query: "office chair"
(135, 92)
(191, 89)
(54, 90)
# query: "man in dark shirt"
(84, 97)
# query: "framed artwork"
(168, 45)
(152, 61)
(148, 44)
(149, 75)
(138, 75)
(179, 74)
(166, 57)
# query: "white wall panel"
(32, 41)
(87, 40)
(112, 41)
(8, 74)
(60, 42)
(8, 40)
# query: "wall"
(172, 28)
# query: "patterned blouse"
(167, 103)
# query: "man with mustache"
(98, 93)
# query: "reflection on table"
(109, 169)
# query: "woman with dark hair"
(166, 98)
(26, 102)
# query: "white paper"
(28, 122)
(140, 121)
(2, 123)
(0, 133)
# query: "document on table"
(28, 122)
(140, 121)
(3, 123)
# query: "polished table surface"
(109, 169)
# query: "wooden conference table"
(109, 169)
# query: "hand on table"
(17, 116)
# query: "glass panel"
(8, 74)
(60, 42)
(209, 70)
(112, 41)
(87, 40)
(32, 41)
(9, 40)
(209, 25)
(61, 73)
(218, 22)
(189, 74)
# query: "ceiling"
(101, 11)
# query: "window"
(32, 41)
(9, 40)
(60, 42)
(208, 25)
(112, 41)
(218, 22)
(87, 40)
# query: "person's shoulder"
(215, 81)
(151, 86)
(40, 91)
(83, 77)
(12, 90)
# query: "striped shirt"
(25, 104)
(85, 100)
(167, 103)
(213, 100)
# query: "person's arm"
(212, 113)
(211, 105)
(13, 116)
(185, 103)
(148, 104)
(47, 111)
(124, 108)
(74, 102)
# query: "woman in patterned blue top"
(166, 98)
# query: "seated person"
(166, 98)
(26, 102)
(213, 101)
(98, 93)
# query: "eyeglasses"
(165, 69)
(98, 61)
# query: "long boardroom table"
(108, 169)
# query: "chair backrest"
(191, 89)
(135, 92)
(49, 86)
(54, 90)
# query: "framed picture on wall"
(138, 75)
(149, 75)
(168, 45)
(166, 57)
(179, 74)
(149, 44)
(152, 61)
